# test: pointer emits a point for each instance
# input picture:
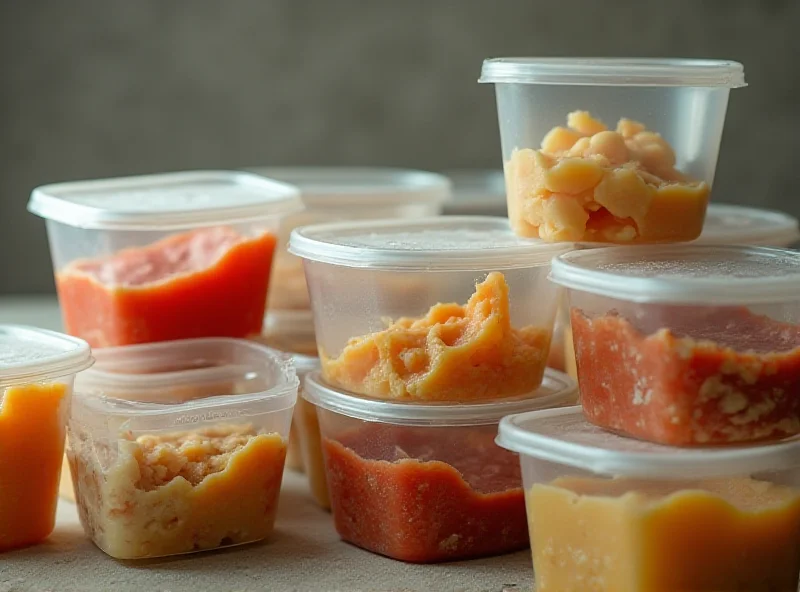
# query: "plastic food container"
(448, 308)
(476, 193)
(424, 482)
(610, 150)
(307, 435)
(163, 257)
(687, 345)
(37, 371)
(179, 447)
(608, 513)
(343, 193)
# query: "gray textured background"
(112, 87)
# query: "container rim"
(775, 228)
(586, 71)
(66, 355)
(557, 389)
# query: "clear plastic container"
(645, 181)
(163, 257)
(608, 513)
(179, 447)
(380, 292)
(37, 372)
(305, 426)
(424, 482)
(476, 193)
(687, 345)
(347, 193)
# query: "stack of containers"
(680, 470)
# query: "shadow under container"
(37, 372)
(643, 179)
(609, 513)
(179, 447)
(425, 482)
(687, 345)
(476, 192)
(163, 257)
(447, 308)
(346, 193)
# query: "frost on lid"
(444, 239)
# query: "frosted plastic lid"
(557, 389)
(326, 187)
(564, 436)
(738, 225)
(614, 72)
(683, 274)
(305, 364)
(436, 244)
(167, 201)
(29, 354)
(475, 191)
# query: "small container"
(347, 193)
(305, 426)
(424, 482)
(179, 447)
(37, 371)
(608, 513)
(476, 193)
(163, 257)
(687, 345)
(610, 150)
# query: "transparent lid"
(331, 187)
(29, 354)
(166, 201)
(427, 244)
(739, 225)
(683, 274)
(557, 389)
(564, 436)
(304, 364)
(477, 190)
(614, 72)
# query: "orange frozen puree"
(454, 353)
(588, 183)
(725, 535)
(32, 419)
(178, 493)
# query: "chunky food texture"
(206, 283)
(454, 353)
(716, 375)
(157, 495)
(589, 183)
(619, 535)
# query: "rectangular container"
(611, 514)
(179, 447)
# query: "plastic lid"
(738, 225)
(557, 389)
(564, 436)
(167, 201)
(326, 187)
(427, 244)
(614, 72)
(304, 364)
(475, 191)
(683, 274)
(29, 354)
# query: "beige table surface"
(304, 553)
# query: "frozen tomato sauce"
(206, 283)
(426, 495)
(717, 375)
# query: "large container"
(476, 193)
(162, 257)
(347, 193)
(37, 372)
(425, 482)
(448, 308)
(687, 345)
(608, 513)
(179, 447)
(647, 180)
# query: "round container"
(687, 345)
(171, 433)
(647, 517)
(163, 257)
(682, 100)
(425, 482)
(37, 371)
(476, 193)
(362, 276)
